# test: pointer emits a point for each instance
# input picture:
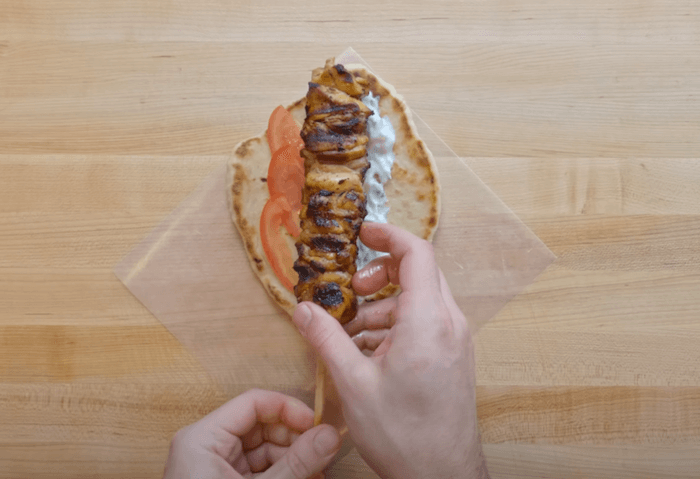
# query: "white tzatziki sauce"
(380, 152)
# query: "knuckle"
(443, 313)
(179, 435)
(462, 330)
(445, 340)
(320, 336)
(253, 392)
(444, 331)
(466, 339)
(182, 438)
(417, 363)
(176, 441)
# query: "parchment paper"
(192, 273)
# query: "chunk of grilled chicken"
(333, 190)
(356, 165)
(331, 216)
(343, 121)
(335, 163)
(335, 123)
(337, 76)
(333, 293)
(324, 99)
(327, 135)
(314, 261)
(329, 228)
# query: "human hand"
(254, 432)
(410, 407)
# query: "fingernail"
(326, 441)
(369, 270)
(302, 317)
(365, 226)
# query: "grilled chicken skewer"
(335, 163)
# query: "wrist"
(472, 464)
(462, 463)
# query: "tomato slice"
(292, 136)
(285, 175)
(283, 130)
(293, 223)
(274, 245)
(285, 180)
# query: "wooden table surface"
(584, 117)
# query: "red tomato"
(285, 175)
(292, 136)
(274, 245)
(293, 223)
(282, 130)
(285, 180)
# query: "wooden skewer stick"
(320, 391)
(320, 396)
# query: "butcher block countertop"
(583, 117)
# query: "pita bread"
(413, 190)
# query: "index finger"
(239, 415)
(418, 271)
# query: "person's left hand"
(254, 432)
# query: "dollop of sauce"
(380, 152)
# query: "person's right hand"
(410, 407)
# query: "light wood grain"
(97, 430)
(582, 116)
(537, 357)
(517, 461)
(36, 354)
(605, 300)
(590, 415)
(611, 187)
(581, 100)
(410, 22)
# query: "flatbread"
(413, 190)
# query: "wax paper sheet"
(193, 274)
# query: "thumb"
(329, 339)
(308, 455)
